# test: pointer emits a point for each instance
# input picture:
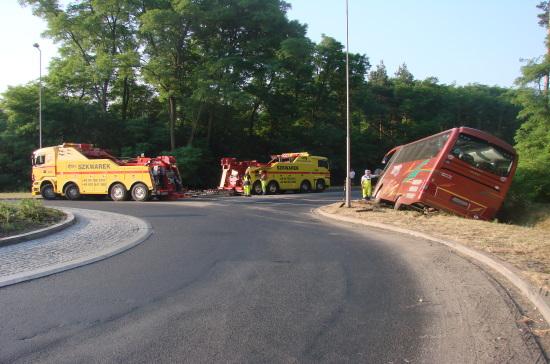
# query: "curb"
(511, 273)
(40, 233)
(341, 188)
(144, 231)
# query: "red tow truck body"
(233, 172)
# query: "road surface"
(262, 280)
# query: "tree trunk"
(547, 77)
(104, 90)
(172, 106)
(252, 117)
(195, 126)
(125, 99)
(210, 122)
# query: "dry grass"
(16, 195)
(527, 248)
(541, 333)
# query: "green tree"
(533, 137)
(241, 46)
(403, 75)
(169, 54)
(97, 46)
(533, 146)
(380, 75)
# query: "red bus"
(462, 170)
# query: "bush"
(189, 160)
(532, 183)
(197, 167)
(27, 214)
(515, 205)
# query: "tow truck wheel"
(118, 192)
(257, 188)
(140, 192)
(47, 192)
(305, 187)
(72, 192)
(273, 187)
(320, 185)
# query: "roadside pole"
(37, 46)
(348, 161)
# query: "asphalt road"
(262, 280)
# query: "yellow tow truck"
(74, 169)
(288, 171)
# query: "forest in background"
(205, 79)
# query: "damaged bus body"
(462, 171)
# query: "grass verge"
(16, 195)
(525, 247)
(26, 215)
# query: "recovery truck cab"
(72, 170)
(287, 171)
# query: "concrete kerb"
(341, 188)
(40, 233)
(144, 231)
(536, 297)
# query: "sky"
(461, 42)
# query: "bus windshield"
(424, 149)
(482, 155)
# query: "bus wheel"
(47, 192)
(376, 198)
(118, 192)
(305, 186)
(257, 188)
(140, 192)
(273, 187)
(72, 192)
(320, 185)
(398, 204)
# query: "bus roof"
(490, 138)
(473, 132)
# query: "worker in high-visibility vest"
(263, 181)
(366, 184)
(246, 184)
